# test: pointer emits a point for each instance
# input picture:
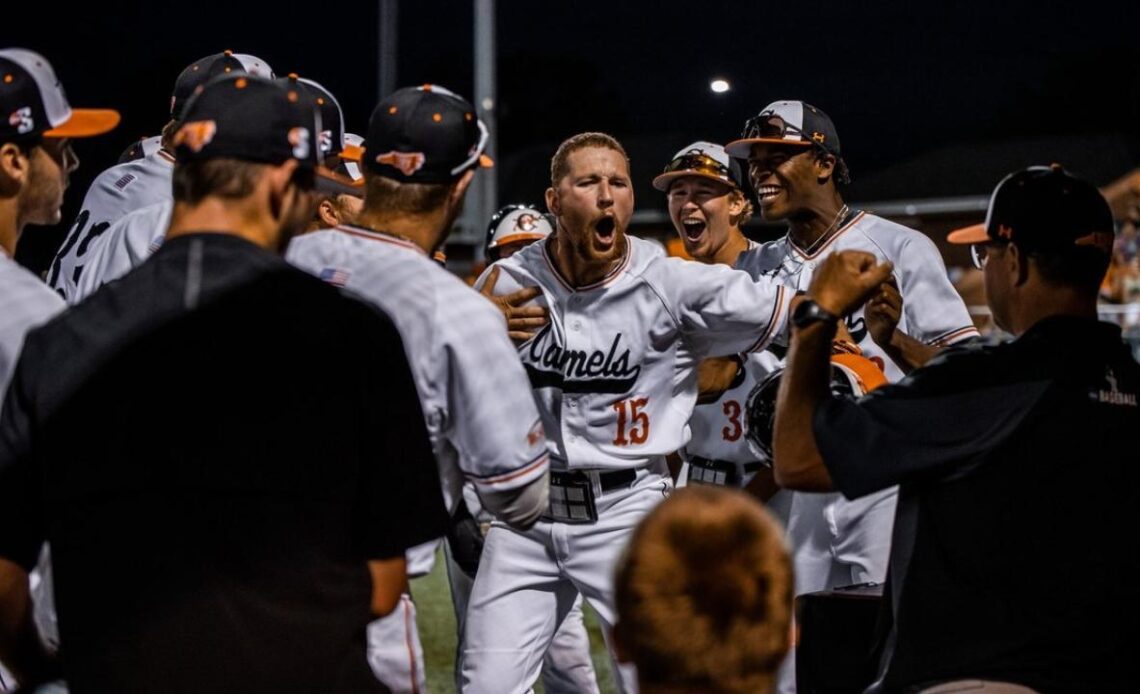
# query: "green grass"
(437, 632)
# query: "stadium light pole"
(388, 33)
(482, 198)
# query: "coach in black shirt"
(227, 456)
(1014, 554)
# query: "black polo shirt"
(214, 446)
(1014, 551)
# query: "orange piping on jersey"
(842, 230)
(376, 236)
(968, 331)
(539, 462)
(772, 322)
(613, 274)
(409, 624)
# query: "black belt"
(616, 478)
(753, 466)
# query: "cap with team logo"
(423, 134)
(515, 224)
(249, 119)
(332, 118)
(33, 104)
(198, 73)
(704, 159)
(1044, 208)
(792, 123)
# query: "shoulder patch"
(124, 181)
(335, 276)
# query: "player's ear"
(553, 203)
(824, 166)
(14, 165)
(459, 188)
(1016, 264)
(327, 211)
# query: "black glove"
(465, 539)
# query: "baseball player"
(567, 666)
(420, 154)
(614, 375)
(134, 237)
(36, 160)
(138, 183)
(796, 170)
(708, 207)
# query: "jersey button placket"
(571, 402)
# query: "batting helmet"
(852, 377)
(515, 224)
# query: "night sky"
(928, 100)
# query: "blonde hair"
(704, 594)
(560, 163)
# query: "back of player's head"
(194, 76)
(560, 163)
(420, 142)
(234, 127)
(704, 594)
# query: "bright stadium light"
(719, 86)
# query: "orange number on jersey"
(732, 411)
(630, 412)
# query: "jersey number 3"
(630, 413)
(734, 430)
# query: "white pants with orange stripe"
(394, 649)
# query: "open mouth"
(604, 229)
(693, 229)
(767, 193)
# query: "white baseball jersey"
(117, 191)
(477, 403)
(933, 312)
(25, 302)
(614, 372)
(123, 247)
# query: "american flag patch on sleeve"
(335, 276)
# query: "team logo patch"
(195, 135)
(407, 162)
(21, 119)
(300, 139)
(526, 222)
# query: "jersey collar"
(381, 236)
(612, 275)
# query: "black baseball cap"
(1044, 208)
(793, 123)
(250, 119)
(423, 134)
(33, 104)
(332, 118)
(198, 73)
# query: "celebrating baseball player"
(614, 374)
(422, 150)
(796, 169)
(140, 182)
(707, 205)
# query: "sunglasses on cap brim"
(771, 128)
(694, 164)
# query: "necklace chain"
(818, 243)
